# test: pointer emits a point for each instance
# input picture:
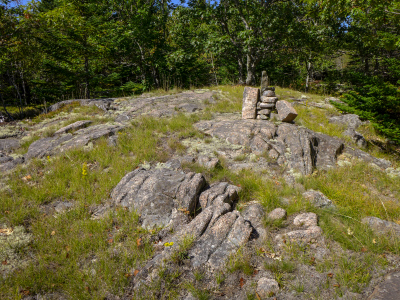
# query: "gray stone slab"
(285, 110)
(250, 99)
(389, 289)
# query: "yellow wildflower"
(84, 169)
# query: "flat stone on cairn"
(285, 111)
(269, 93)
(264, 111)
(250, 99)
(265, 99)
(267, 105)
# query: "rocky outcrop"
(9, 144)
(254, 213)
(364, 156)
(352, 122)
(300, 148)
(349, 120)
(380, 226)
(8, 163)
(74, 126)
(220, 192)
(59, 143)
(155, 193)
(389, 289)
(103, 104)
(214, 234)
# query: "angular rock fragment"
(155, 193)
(299, 236)
(267, 287)
(328, 149)
(264, 80)
(285, 110)
(317, 199)
(306, 220)
(277, 214)
(219, 192)
(74, 126)
(226, 238)
(208, 162)
(357, 137)
(254, 213)
(380, 226)
(268, 88)
(250, 98)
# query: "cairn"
(256, 106)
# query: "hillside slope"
(174, 196)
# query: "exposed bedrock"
(166, 197)
(300, 148)
(154, 194)
(63, 142)
(216, 233)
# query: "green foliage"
(377, 101)
(133, 88)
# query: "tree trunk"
(5, 108)
(250, 80)
(309, 73)
(87, 89)
(240, 64)
(366, 66)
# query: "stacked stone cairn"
(261, 107)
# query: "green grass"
(240, 262)
(318, 120)
(71, 271)
(181, 252)
(229, 100)
(86, 258)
